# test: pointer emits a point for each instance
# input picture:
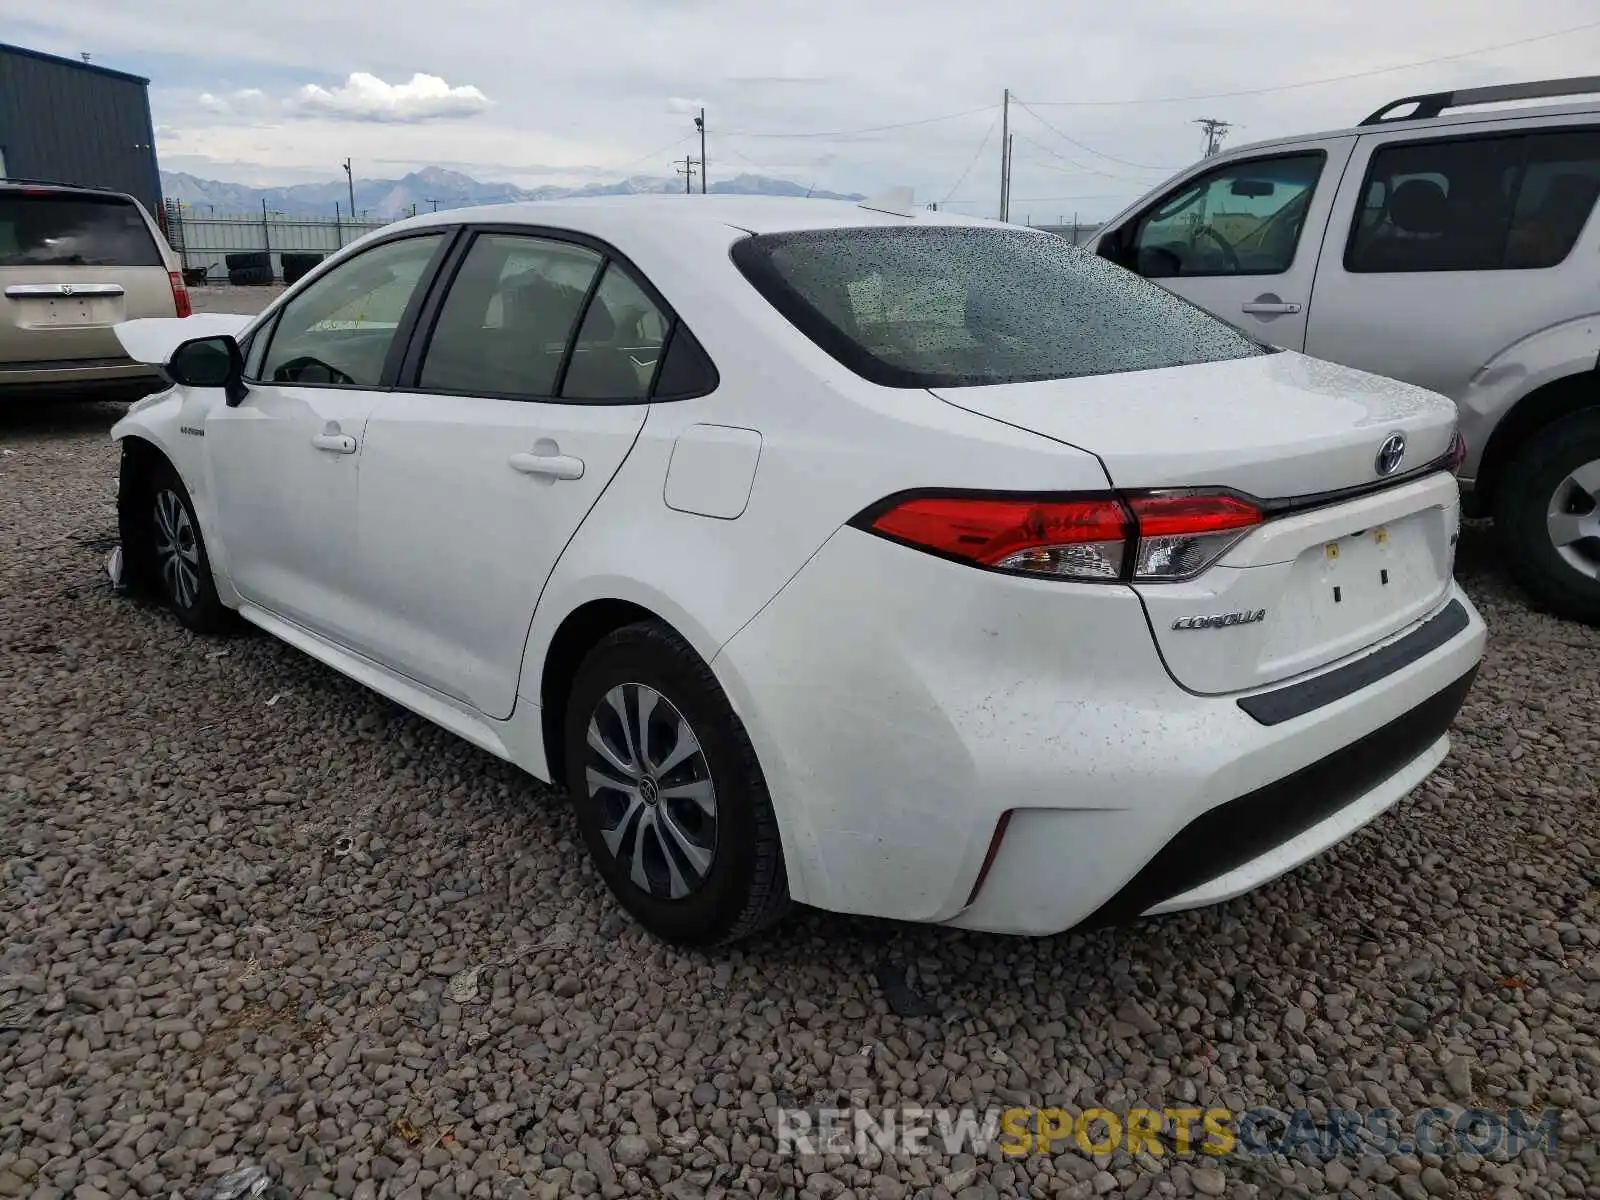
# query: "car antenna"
(897, 202)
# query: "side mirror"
(213, 362)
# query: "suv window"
(61, 229)
(339, 330)
(504, 327)
(955, 305)
(1244, 218)
(1475, 203)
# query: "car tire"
(250, 276)
(173, 563)
(251, 260)
(1550, 491)
(684, 834)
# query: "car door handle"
(334, 443)
(1269, 308)
(551, 466)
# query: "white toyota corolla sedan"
(888, 562)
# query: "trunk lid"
(1330, 578)
(1272, 426)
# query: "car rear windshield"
(64, 230)
(953, 306)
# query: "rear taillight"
(1182, 534)
(1458, 452)
(1076, 539)
(180, 294)
(1145, 538)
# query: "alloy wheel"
(177, 549)
(1573, 519)
(647, 775)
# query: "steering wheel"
(1223, 244)
(307, 369)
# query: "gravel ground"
(239, 891)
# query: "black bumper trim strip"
(1285, 704)
(1237, 831)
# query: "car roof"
(39, 187)
(1443, 121)
(621, 216)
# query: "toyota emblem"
(1390, 454)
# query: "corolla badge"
(1390, 454)
(1222, 620)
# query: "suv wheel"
(1547, 514)
(668, 793)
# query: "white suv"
(1451, 251)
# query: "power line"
(1088, 149)
(1073, 164)
(976, 155)
(1286, 87)
(843, 133)
(769, 171)
(628, 166)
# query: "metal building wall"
(73, 122)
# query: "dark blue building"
(68, 121)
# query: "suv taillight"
(1145, 538)
(1458, 452)
(180, 294)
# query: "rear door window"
(1475, 203)
(505, 325)
(46, 229)
(953, 305)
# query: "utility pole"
(1214, 131)
(700, 124)
(1005, 151)
(1011, 141)
(687, 171)
(432, 201)
(350, 180)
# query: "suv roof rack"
(1433, 103)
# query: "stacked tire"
(253, 269)
(297, 264)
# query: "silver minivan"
(74, 262)
(1448, 248)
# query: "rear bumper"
(902, 705)
(100, 378)
(1242, 843)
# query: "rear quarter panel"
(831, 444)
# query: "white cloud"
(365, 97)
(244, 102)
(682, 105)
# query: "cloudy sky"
(536, 93)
